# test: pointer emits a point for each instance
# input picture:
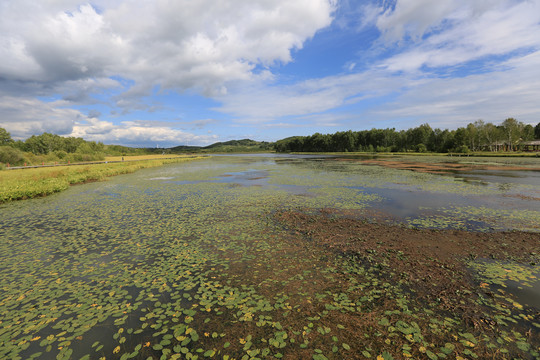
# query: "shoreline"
(32, 182)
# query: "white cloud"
(412, 18)
(180, 45)
(23, 117)
(126, 50)
(466, 31)
(262, 102)
(459, 32)
(507, 90)
(135, 133)
(72, 48)
(491, 96)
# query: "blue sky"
(166, 73)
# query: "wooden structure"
(499, 146)
(533, 145)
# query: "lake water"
(129, 265)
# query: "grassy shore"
(22, 184)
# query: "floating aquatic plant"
(186, 261)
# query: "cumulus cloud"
(22, 117)
(137, 133)
(434, 36)
(179, 45)
(120, 53)
(25, 116)
(77, 49)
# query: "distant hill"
(232, 146)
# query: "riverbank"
(20, 184)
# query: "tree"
(11, 155)
(527, 133)
(489, 134)
(71, 144)
(5, 137)
(460, 139)
(44, 143)
(512, 131)
(473, 134)
(345, 140)
(537, 131)
(419, 135)
(440, 141)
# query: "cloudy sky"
(183, 72)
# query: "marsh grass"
(29, 183)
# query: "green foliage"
(49, 148)
(61, 154)
(233, 146)
(477, 136)
(512, 130)
(5, 137)
(118, 150)
(10, 155)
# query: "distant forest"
(511, 135)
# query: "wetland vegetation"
(278, 256)
(20, 184)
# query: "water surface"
(162, 258)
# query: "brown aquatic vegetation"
(430, 265)
(441, 167)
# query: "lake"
(187, 260)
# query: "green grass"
(29, 183)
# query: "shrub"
(421, 148)
(11, 156)
(78, 157)
(60, 154)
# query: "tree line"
(477, 136)
(49, 148)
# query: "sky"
(164, 73)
